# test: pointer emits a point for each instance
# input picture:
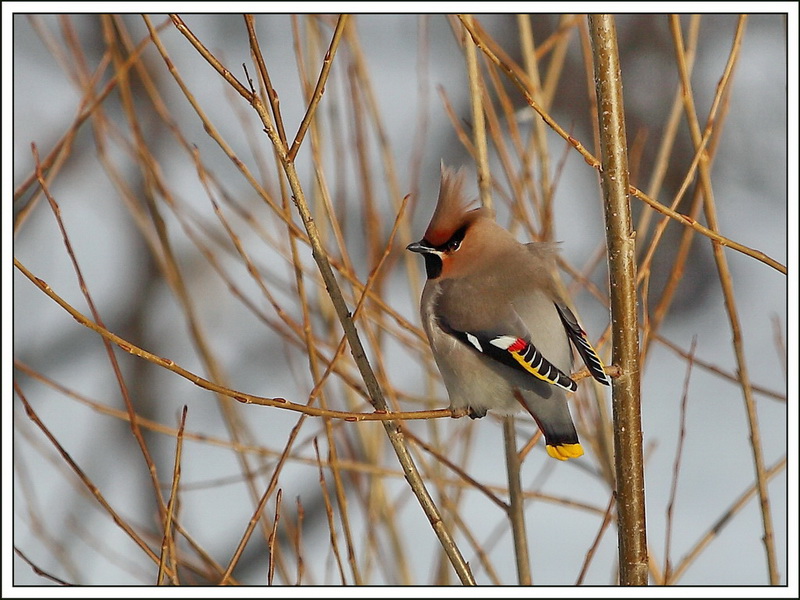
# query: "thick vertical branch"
(622, 269)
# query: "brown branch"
(356, 348)
(320, 87)
(516, 503)
(622, 270)
(168, 541)
(123, 387)
(677, 466)
(273, 537)
(518, 77)
(726, 282)
(496, 55)
(607, 518)
(478, 120)
(709, 233)
(717, 527)
(93, 489)
(38, 571)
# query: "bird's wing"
(510, 344)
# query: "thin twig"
(320, 87)
(298, 542)
(519, 79)
(677, 466)
(356, 347)
(440, 457)
(93, 489)
(323, 486)
(709, 233)
(248, 532)
(607, 518)
(89, 104)
(255, 50)
(716, 528)
(123, 387)
(37, 570)
(168, 548)
(273, 537)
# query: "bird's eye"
(453, 245)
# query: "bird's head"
(456, 237)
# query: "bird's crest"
(451, 208)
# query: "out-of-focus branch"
(726, 282)
(518, 77)
(286, 157)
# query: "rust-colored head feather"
(451, 209)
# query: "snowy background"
(62, 530)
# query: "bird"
(498, 326)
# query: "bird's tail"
(553, 418)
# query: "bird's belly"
(470, 380)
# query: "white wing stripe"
(502, 341)
(474, 341)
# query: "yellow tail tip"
(565, 451)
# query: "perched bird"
(499, 329)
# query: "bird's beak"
(432, 256)
(421, 246)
